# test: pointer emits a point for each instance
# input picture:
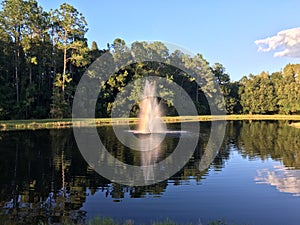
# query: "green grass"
(103, 221)
(67, 123)
(109, 221)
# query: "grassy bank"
(67, 123)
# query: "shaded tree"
(13, 22)
(229, 90)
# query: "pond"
(254, 179)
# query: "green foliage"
(44, 54)
(229, 90)
(69, 30)
(288, 90)
(59, 106)
(158, 67)
(270, 94)
(6, 99)
(60, 78)
(36, 47)
(102, 221)
(258, 95)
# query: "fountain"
(150, 112)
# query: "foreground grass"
(109, 221)
(67, 123)
(106, 221)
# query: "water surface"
(255, 179)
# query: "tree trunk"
(65, 64)
(17, 79)
(17, 72)
(64, 70)
(17, 55)
(30, 73)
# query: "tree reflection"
(270, 139)
(44, 177)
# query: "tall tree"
(69, 28)
(7, 91)
(31, 47)
(13, 21)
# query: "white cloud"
(285, 43)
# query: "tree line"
(43, 55)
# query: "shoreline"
(9, 125)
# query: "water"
(255, 179)
(150, 111)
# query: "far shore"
(68, 123)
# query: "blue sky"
(222, 31)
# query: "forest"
(44, 54)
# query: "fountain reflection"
(150, 154)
